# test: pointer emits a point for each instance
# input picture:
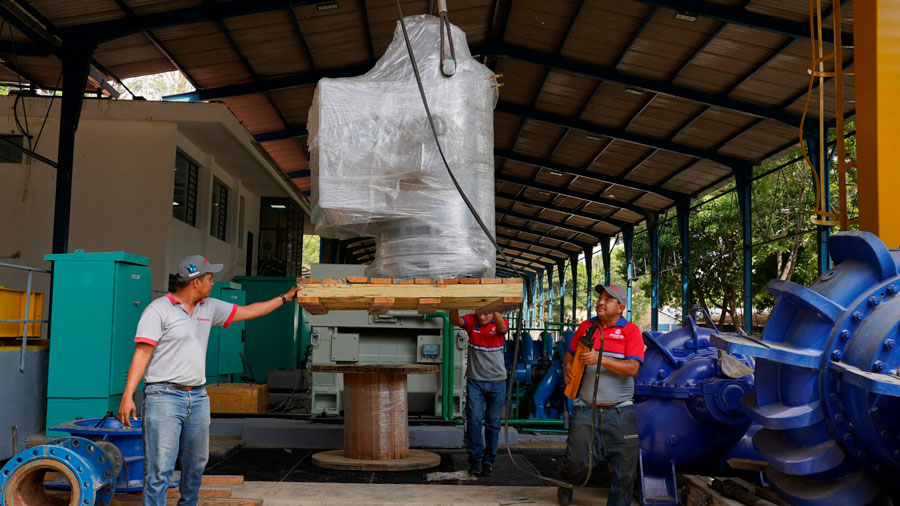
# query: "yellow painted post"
(876, 32)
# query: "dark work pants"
(615, 440)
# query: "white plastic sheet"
(376, 170)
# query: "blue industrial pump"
(89, 468)
(827, 391)
(688, 406)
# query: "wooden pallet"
(380, 295)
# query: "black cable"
(24, 131)
(487, 232)
(47, 115)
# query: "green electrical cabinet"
(223, 354)
(277, 340)
(97, 302)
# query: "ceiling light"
(175, 204)
(328, 6)
(544, 193)
(277, 206)
(687, 16)
(554, 173)
(634, 91)
(593, 138)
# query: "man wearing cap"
(170, 355)
(485, 386)
(615, 437)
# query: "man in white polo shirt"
(170, 355)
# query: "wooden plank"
(469, 281)
(491, 281)
(207, 491)
(332, 281)
(449, 281)
(406, 282)
(748, 464)
(318, 299)
(223, 479)
(428, 305)
(308, 281)
(500, 304)
(512, 281)
(312, 305)
(381, 305)
(381, 281)
(424, 281)
(357, 279)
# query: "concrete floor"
(357, 494)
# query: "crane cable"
(493, 240)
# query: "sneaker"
(564, 496)
(475, 467)
(487, 470)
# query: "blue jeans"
(485, 399)
(176, 424)
(615, 440)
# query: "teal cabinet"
(223, 353)
(97, 302)
(277, 340)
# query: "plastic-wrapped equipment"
(376, 170)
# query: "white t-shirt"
(179, 338)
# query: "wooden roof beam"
(558, 167)
(729, 161)
(740, 16)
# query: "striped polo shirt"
(485, 350)
(179, 339)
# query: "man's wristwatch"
(283, 300)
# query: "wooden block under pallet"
(381, 305)
(238, 398)
(222, 479)
(428, 305)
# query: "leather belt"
(174, 386)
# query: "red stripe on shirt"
(230, 317)
(145, 340)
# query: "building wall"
(23, 397)
(184, 240)
(122, 189)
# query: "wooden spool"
(376, 433)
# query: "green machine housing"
(223, 353)
(280, 339)
(97, 302)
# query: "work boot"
(475, 468)
(487, 470)
(564, 496)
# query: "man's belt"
(174, 386)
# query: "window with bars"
(219, 213)
(184, 196)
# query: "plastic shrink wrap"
(376, 170)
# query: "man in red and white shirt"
(615, 426)
(485, 386)
(170, 355)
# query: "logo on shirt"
(202, 319)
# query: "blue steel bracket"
(801, 357)
(804, 298)
(782, 416)
(886, 384)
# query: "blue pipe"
(548, 384)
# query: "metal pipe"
(25, 325)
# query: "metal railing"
(25, 321)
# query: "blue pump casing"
(689, 412)
(828, 391)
